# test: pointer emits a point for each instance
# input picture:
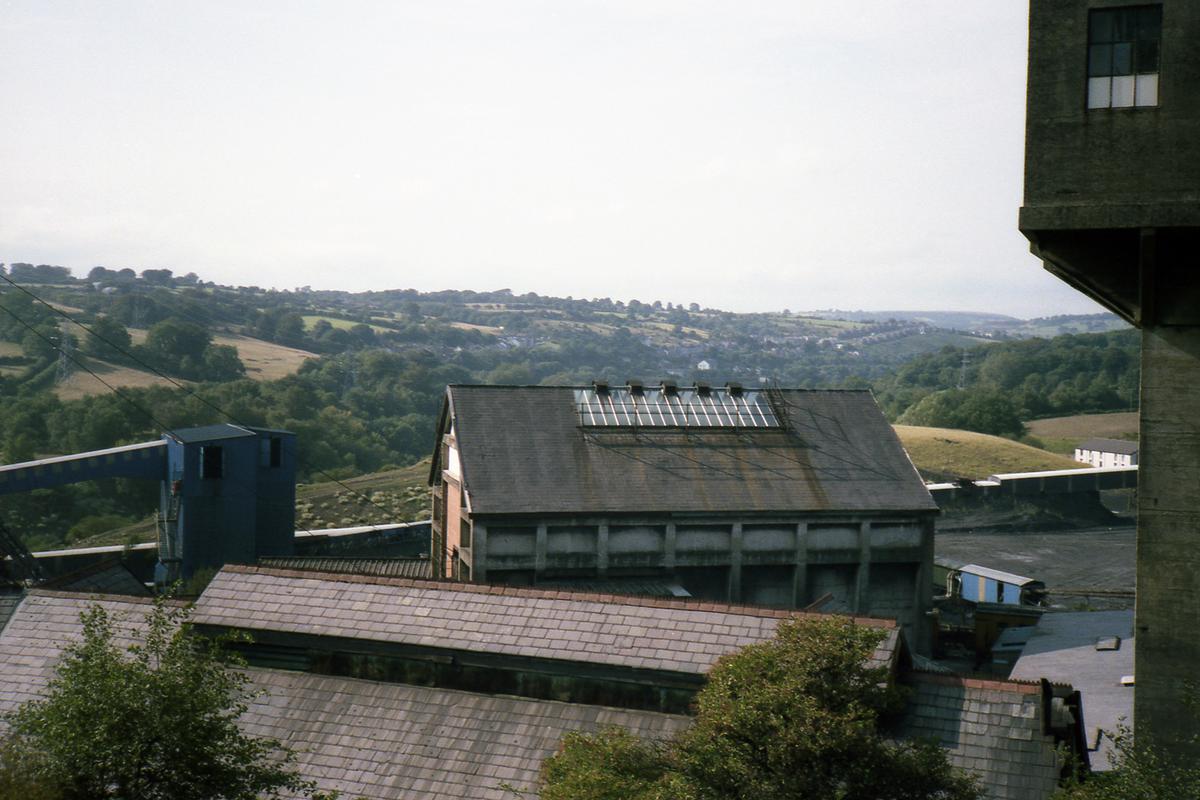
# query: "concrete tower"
(1112, 206)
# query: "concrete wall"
(1080, 162)
(872, 566)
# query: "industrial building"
(770, 497)
(392, 688)
(1112, 206)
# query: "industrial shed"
(336, 655)
(768, 497)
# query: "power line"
(212, 406)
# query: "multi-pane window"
(1123, 56)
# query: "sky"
(750, 156)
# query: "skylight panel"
(621, 407)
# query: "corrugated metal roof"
(523, 451)
(349, 565)
(210, 433)
(636, 632)
(995, 574)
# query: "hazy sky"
(749, 156)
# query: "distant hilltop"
(985, 321)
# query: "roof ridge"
(976, 682)
(38, 591)
(686, 604)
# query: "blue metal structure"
(228, 491)
(984, 585)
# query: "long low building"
(394, 688)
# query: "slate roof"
(109, 576)
(376, 740)
(991, 728)
(523, 451)
(1062, 649)
(351, 565)
(9, 600)
(32, 641)
(1122, 446)
(381, 740)
(675, 635)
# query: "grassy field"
(489, 330)
(1062, 434)
(11, 349)
(343, 324)
(265, 361)
(81, 384)
(943, 452)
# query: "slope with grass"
(941, 453)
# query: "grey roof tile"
(839, 453)
(627, 631)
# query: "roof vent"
(703, 389)
(735, 389)
(670, 388)
(601, 387)
(635, 387)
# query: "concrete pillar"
(862, 585)
(479, 552)
(1168, 538)
(539, 550)
(602, 550)
(800, 577)
(735, 563)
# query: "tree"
(157, 722)
(108, 340)
(1138, 772)
(174, 338)
(798, 716)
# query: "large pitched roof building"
(392, 688)
(770, 497)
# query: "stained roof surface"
(524, 451)
(1122, 446)
(352, 565)
(376, 740)
(1062, 648)
(992, 728)
(641, 633)
(392, 741)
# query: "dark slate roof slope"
(636, 632)
(1122, 446)
(523, 452)
(376, 740)
(397, 742)
(990, 728)
(45, 622)
(109, 576)
(10, 598)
